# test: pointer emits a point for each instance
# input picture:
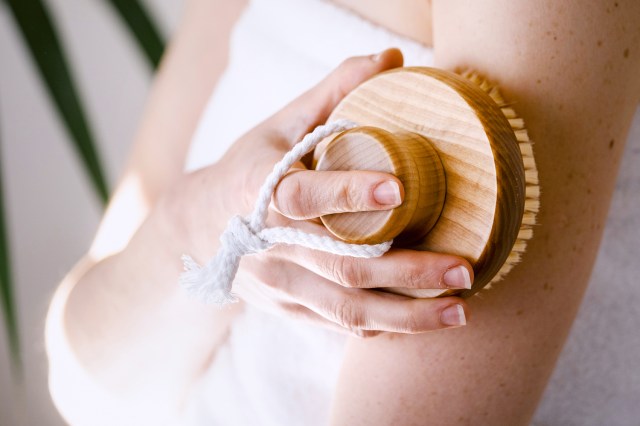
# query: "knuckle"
(343, 198)
(350, 273)
(346, 314)
(411, 322)
(415, 320)
(414, 275)
(348, 194)
(290, 199)
(345, 73)
(340, 271)
(348, 63)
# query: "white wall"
(51, 209)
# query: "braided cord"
(212, 283)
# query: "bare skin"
(409, 18)
(571, 72)
(183, 83)
(492, 371)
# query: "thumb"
(314, 107)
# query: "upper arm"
(572, 72)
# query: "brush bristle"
(532, 190)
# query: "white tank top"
(276, 371)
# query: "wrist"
(194, 212)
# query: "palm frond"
(37, 28)
(142, 27)
(7, 299)
(39, 33)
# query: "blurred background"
(51, 204)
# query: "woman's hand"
(333, 290)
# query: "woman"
(136, 350)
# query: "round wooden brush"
(465, 161)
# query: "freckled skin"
(577, 94)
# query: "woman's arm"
(194, 61)
(130, 334)
(571, 69)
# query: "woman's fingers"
(270, 284)
(397, 268)
(268, 141)
(303, 313)
(296, 276)
(304, 194)
(356, 309)
(314, 106)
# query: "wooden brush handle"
(408, 156)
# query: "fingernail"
(457, 277)
(387, 193)
(453, 315)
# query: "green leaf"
(7, 300)
(142, 27)
(40, 35)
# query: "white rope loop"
(212, 283)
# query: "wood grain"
(408, 156)
(485, 185)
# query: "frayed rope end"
(199, 283)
